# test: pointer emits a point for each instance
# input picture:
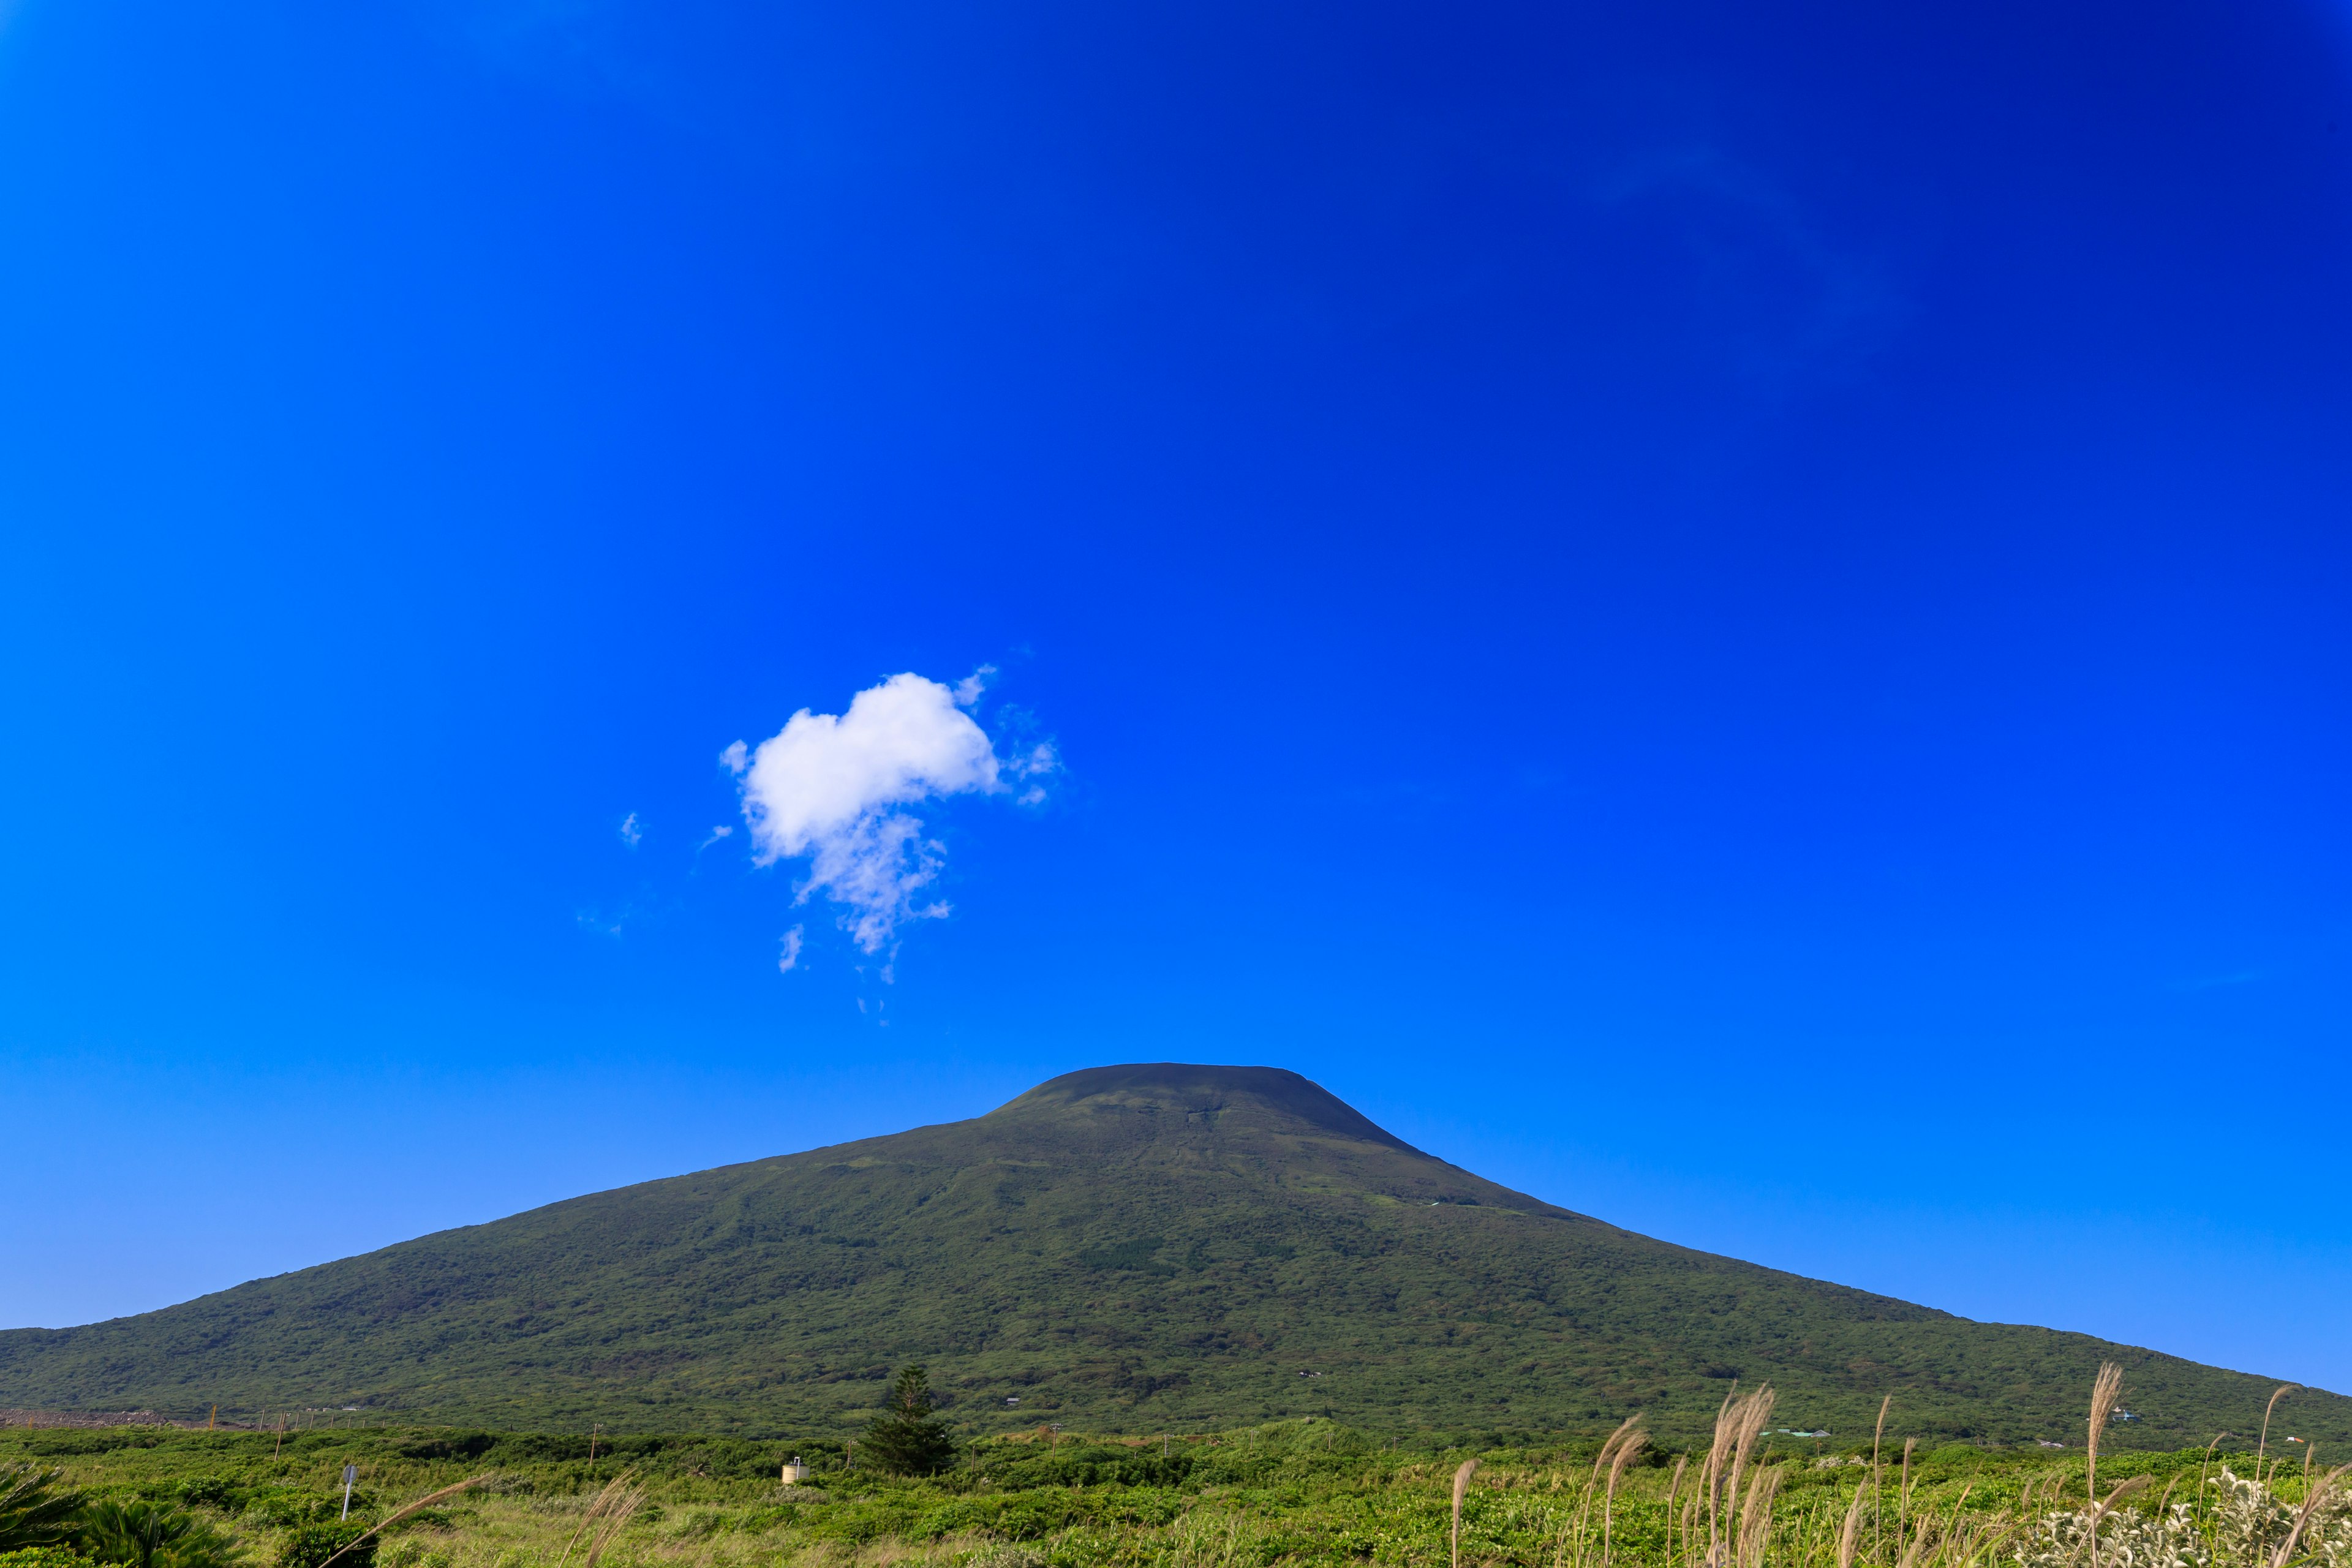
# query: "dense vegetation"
(1306, 1493)
(1125, 1248)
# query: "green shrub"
(44, 1557)
(449, 1445)
(210, 1492)
(311, 1545)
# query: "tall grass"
(1318, 1496)
(1461, 1488)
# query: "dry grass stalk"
(615, 1520)
(1903, 1498)
(1756, 1517)
(2312, 1501)
(2205, 1464)
(2263, 1448)
(1682, 1462)
(1849, 1539)
(1877, 1520)
(1592, 1482)
(2123, 1490)
(1460, 1484)
(1751, 1415)
(2105, 1389)
(1630, 1440)
(1952, 1531)
(426, 1502)
(1737, 1424)
(592, 1517)
(1718, 1453)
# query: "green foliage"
(44, 1557)
(1119, 1250)
(36, 1509)
(152, 1535)
(906, 1439)
(1291, 1494)
(210, 1492)
(311, 1545)
(450, 1446)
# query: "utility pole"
(350, 1474)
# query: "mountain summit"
(1266, 1096)
(1151, 1246)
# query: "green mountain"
(1133, 1248)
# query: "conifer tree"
(906, 1439)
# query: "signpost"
(350, 1474)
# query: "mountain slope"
(1144, 1247)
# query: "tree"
(35, 1510)
(906, 1439)
(150, 1535)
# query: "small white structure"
(795, 1472)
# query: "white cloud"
(718, 833)
(791, 957)
(834, 789)
(631, 830)
(968, 689)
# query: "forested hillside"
(1139, 1247)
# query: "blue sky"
(1733, 615)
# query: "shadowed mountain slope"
(1142, 1246)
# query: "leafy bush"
(450, 1446)
(312, 1544)
(44, 1557)
(63, 1444)
(1092, 1465)
(280, 1509)
(210, 1492)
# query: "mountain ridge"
(1162, 1244)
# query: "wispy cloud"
(834, 789)
(789, 958)
(968, 690)
(631, 830)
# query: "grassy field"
(1304, 1492)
